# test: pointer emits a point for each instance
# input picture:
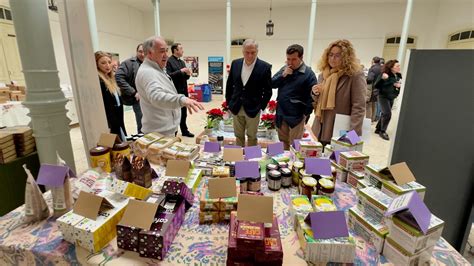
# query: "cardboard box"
(138, 216)
(155, 243)
(399, 256)
(341, 173)
(250, 235)
(310, 148)
(208, 203)
(91, 224)
(128, 189)
(273, 250)
(148, 139)
(353, 160)
(363, 183)
(410, 237)
(176, 187)
(300, 205)
(337, 144)
(233, 252)
(353, 178)
(193, 179)
(328, 149)
(373, 202)
(340, 249)
(393, 190)
(220, 171)
(367, 228)
(374, 176)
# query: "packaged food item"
(254, 184)
(120, 148)
(274, 180)
(374, 203)
(353, 160)
(100, 157)
(286, 177)
(353, 178)
(142, 173)
(308, 186)
(367, 228)
(297, 166)
(397, 255)
(323, 203)
(123, 168)
(36, 208)
(326, 187)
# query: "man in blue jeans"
(125, 77)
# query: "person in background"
(159, 100)
(294, 82)
(249, 88)
(371, 100)
(389, 87)
(125, 77)
(179, 73)
(110, 94)
(115, 64)
(341, 90)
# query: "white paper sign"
(343, 122)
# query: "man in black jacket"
(374, 73)
(248, 90)
(179, 73)
(125, 77)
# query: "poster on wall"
(192, 62)
(216, 71)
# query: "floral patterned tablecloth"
(41, 243)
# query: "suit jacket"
(125, 77)
(173, 68)
(350, 100)
(254, 96)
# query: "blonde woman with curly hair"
(340, 90)
(110, 94)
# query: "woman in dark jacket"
(110, 94)
(388, 84)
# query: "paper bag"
(36, 208)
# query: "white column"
(227, 40)
(93, 25)
(156, 12)
(312, 22)
(82, 70)
(404, 37)
(44, 97)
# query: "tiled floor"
(377, 148)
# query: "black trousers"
(182, 124)
(386, 108)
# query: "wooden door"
(12, 54)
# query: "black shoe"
(384, 135)
(377, 131)
(188, 134)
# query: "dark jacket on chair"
(173, 68)
(125, 77)
(256, 93)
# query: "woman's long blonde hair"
(350, 63)
(109, 79)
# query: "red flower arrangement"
(213, 117)
(272, 105)
(268, 121)
(224, 106)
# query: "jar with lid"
(282, 165)
(308, 186)
(274, 180)
(326, 187)
(285, 177)
(254, 184)
(297, 166)
(270, 167)
(220, 139)
(100, 157)
(243, 184)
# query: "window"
(238, 41)
(8, 14)
(461, 36)
(397, 39)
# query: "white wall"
(202, 33)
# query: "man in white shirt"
(159, 100)
(248, 91)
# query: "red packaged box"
(250, 235)
(273, 250)
(233, 253)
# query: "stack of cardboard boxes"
(23, 139)
(218, 201)
(12, 93)
(7, 148)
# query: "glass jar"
(100, 157)
(285, 177)
(282, 165)
(308, 186)
(254, 184)
(270, 167)
(297, 166)
(326, 187)
(274, 180)
(243, 184)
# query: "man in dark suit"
(179, 73)
(248, 90)
(125, 77)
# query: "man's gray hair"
(148, 44)
(249, 42)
